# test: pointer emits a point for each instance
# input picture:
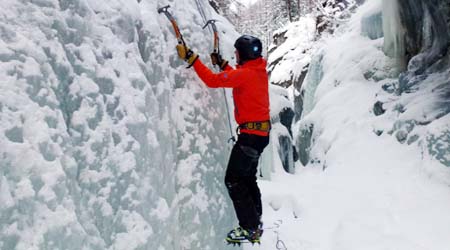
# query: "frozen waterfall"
(107, 141)
(394, 33)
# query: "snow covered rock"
(413, 106)
(289, 56)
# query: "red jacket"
(250, 85)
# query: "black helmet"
(248, 47)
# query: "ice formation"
(107, 141)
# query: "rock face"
(427, 27)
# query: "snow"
(293, 53)
(368, 198)
(248, 2)
(279, 99)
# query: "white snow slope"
(359, 191)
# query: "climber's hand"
(217, 59)
(186, 54)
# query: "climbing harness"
(259, 126)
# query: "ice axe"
(212, 22)
(216, 49)
(174, 23)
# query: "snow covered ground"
(374, 194)
(369, 198)
(359, 190)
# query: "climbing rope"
(202, 13)
(232, 138)
(280, 244)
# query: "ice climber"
(251, 98)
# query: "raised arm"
(229, 78)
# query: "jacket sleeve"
(229, 78)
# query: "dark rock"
(378, 108)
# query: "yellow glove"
(186, 54)
(217, 59)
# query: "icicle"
(394, 33)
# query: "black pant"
(240, 179)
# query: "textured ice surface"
(372, 23)
(313, 78)
(394, 34)
(107, 141)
